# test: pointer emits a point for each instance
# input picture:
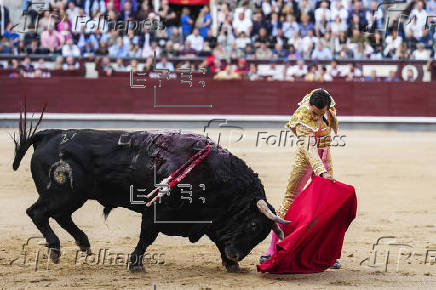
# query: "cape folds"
(320, 216)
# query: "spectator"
(373, 77)
(351, 73)
(242, 40)
(119, 65)
(242, 23)
(70, 49)
(324, 75)
(410, 76)
(263, 52)
(393, 43)
(105, 65)
(186, 23)
(262, 37)
(196, 40)
(188, 51)
(297, 71)
(58, 63)
(252, 74)
(333, 70)
(279, 52)
(165, 64)
(227, 74)
(312, 74)
(41, 65)
(273, 72)
(27, 64)
(52, 40)
(11, 35)
(70, 64)
(421, 53)
(242, 67)
(392, 77)
(5, 46)
(206, 21)
(321, 52)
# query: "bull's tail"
(26, 136)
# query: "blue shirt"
(186, 27)
(203, 30)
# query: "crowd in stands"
(279, 30)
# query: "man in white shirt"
(393, 43)
(420, 14)
(420, 52)
(70, 49)
(339, 10)
(165, 64)
(323, 12)
(308, 40)
(196, 40)
(242, 24)
(297, 71)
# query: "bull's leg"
(66, 222)
(38, 212)
(148, 235)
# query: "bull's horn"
(263, 208)
(278, 231)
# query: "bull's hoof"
(87, 250)
(54, 255)
(136, 268)
(232, 268)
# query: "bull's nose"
(232, 255)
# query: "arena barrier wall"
(269, 101)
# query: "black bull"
(224, 200)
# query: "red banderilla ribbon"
(174, 178)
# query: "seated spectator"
(70, 49)
(70, 64)
(5, 46)
(212, 40)
(262, 37)
(323, 75)
(52, 40)
(351, 73)
(312, 74)
(188, 51)
(242, 67)
(13, 64)
(392, 44)
(119, 65)
(27, 64)
(151, 50)
(242, 23)
(305, 25)
(297, 71)
(105, 64)
(273, 73)
(410, 77)
(196, 40)
(252, 74)
(293, 54)
(148, 66)
(88, 50)
(11, 35)
(242, 40)
(102, 48)
(118, 49)
(321, 52)
(373, 77)
(333, 70)
(41, 65)
(392, 77)
(165, 64)
(309, 41)
(58, 63)
(227, 74)
(420, 52)
(263, 52)
(176, 37)
(133, 66)
(279, 52)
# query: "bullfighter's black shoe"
(263, 259)
(336, 265)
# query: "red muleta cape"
(320, 217)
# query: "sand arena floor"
(394, 174)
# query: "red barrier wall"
(114, 95)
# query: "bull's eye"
(253, 226)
